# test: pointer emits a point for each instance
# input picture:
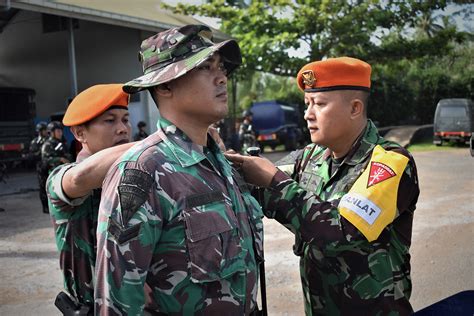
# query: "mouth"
(312, 129)
(122, 141)
(223, 94)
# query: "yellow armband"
(371, 203)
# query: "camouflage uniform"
(342, 272)
(178, 234)
(75, 224)
(42, 173)
(51, 153)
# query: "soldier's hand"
(257, 170)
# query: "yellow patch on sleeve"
(371, 203)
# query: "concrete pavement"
(442, 252)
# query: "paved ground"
(442, 252)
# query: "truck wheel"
(290, 145)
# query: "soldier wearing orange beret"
(99, 119)
(348, 197)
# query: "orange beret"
(342, 73)
(94, 101)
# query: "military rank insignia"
(308, 78)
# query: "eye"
(223, 68)
(205, 66)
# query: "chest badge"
(379, 172)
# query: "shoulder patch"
(379, 172)
(122, 235)
(133, 191)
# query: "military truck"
(17, 112)
(276, 123)
(453, 121)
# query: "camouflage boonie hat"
(174, 52)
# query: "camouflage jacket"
(35, 147)
(51, 152)
(75, 225)
(342, 272)
(179, 232)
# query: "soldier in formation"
(35, 156)
(178, 232)
(349, 198)
(54, 151)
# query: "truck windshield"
(454, 111)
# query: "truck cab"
(276, 123)
(453, 121)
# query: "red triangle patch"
(379, 172)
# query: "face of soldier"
(328, 116)
(202, 93)
(57, 133)
(43, 133)
(109, 129)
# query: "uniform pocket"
(213, 240)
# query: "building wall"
(104, 54)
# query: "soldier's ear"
(163, 90)
(357, 108)
(78, 132)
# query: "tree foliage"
(270, 31)
(418, 56)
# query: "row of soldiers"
(169, 226)
(48, 150)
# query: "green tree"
(269, 31)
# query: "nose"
(123, 127)
(221, 78)
(308, 114)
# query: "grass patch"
(429, 146)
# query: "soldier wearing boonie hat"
(98, 118)
(348, 197)
(175, 218)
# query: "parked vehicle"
(17, 128)
(276, 123)
(453, 121)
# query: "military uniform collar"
(184, 150)
(361, 148)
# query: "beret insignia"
(308, 78)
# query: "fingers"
(234, 157)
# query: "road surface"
(442, 251)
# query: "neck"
(195, 130)
(340, 150)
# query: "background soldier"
(178, 232)
(349, 201)
(53, 151)
(247, 135)
(98, 118)
(35, 156)
(142, 134)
